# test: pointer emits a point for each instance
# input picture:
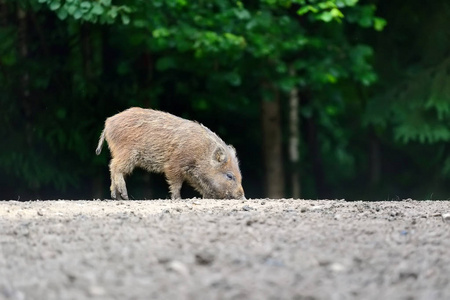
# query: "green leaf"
(113, 13)
(351, 2)
(62, 14)
(325, 16)
(326, 5)
(379, 23)
(71, 8)
(85, 6)
(125, 8)
(77, 14)
(242, 14)
(160, 33)
(306, 9)
(97, 9)
(55, 5)
(366, 18)
(342, 3)
(125, 19)
(140, 23)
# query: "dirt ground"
(224, 249)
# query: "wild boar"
(183, 150)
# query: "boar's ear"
(232, 149)
(219, 155)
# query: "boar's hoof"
(116, 195)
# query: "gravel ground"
(225, 249)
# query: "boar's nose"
(241, 192)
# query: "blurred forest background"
(322, 99)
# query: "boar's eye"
(230, 176)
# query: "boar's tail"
(100, 143)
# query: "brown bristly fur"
(181, 149)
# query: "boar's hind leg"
(118, 186)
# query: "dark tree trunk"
(294, 140)
(27, 105)
(273, 157)
(24, 86)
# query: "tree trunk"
(24, 92)
(273, 157)
(294, 140)
(23, 49)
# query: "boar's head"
(223, 179)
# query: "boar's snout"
(237, 194)
(241, 194)
(232, 193)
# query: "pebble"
(247, 208)
(336, 267)
(204, 257)
(249, 222)
(96, 291)
(317, 208)
(179, 267)
(446, 218)
(274, 262)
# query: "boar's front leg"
(175, 182)
(175, 188)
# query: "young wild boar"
(181, 149)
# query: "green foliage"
(415, 102)
(211, 59)
(205, 53)
(101, 11)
